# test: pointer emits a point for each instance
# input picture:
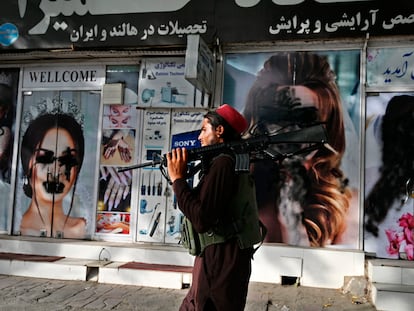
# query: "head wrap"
(232, 117)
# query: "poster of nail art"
(114, 223)
(114, 190)
(118, 147)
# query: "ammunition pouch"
(245, 226)
(197, 242)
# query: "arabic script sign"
(390, 67)
(131, 23)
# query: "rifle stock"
(314, 134)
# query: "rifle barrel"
(315, 134)
(145, 164)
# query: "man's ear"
(220, 130)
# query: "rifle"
(252, 149)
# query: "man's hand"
(177, 163)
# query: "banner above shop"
(63, 76)
(47, 24)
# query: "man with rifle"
(221, 210)
(221, 224)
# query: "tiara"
(5, 79)
(56, 106)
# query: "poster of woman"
(8, 99)
(389, 176)
(55, 186)
(310, 199)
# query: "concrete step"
(149, 275)
(287, 261)
(102, 271)
(391, 271)
(392, 284)
(62, 269)
(392, 297)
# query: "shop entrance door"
(55, 188)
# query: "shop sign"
(187, 140)
(133, 23)
(389, 67)
(162, 84)
(61, 77)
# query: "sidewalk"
(33, 294)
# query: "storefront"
(95, 90)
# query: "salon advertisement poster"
(162, 84)
(117, 149)
(389, 187)
(294, 206)
(153, 186)
(55, 187)
(9, 79)
(159, 218)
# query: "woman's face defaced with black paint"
(292, 99)
(54, 166)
